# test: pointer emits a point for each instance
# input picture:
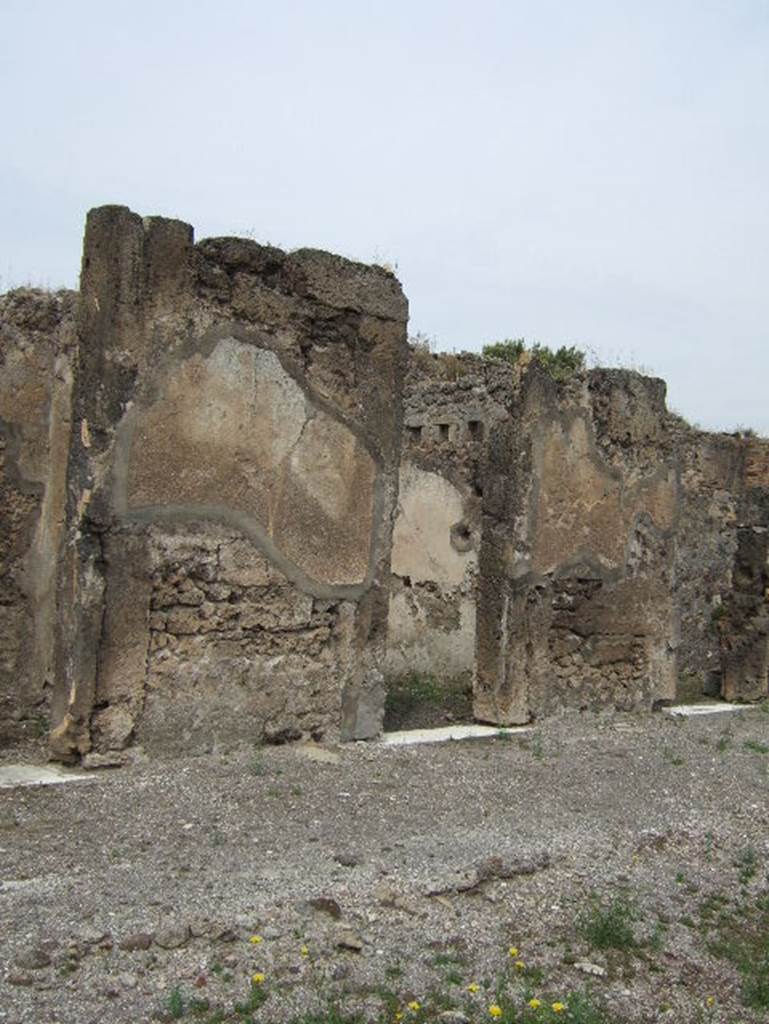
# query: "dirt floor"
(599, 869)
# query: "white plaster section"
(13, 775)
(232, 437)
(325, 459)
(428, 506)
(259, 388)
(692, 710)
(408, 737)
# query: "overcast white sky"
(592, 173)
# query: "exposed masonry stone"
(226, 389)
(233, 500)
(37, 342)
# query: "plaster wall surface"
(431, 627)
(429, 507)
(249, 442)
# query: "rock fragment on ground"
(172, 935)
(33, 958)
(587, 968)
(348, 938)
(136, 941)
(326, 905)
(347, 858)
(488, 870)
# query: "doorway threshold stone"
(716, 708)
(13, 775)
(407, 737)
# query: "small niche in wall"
(414, 434)
(461, 537)
(443, 431)
(475, 429)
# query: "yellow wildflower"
(710, 1001)
(513, 951)
(399, 1015)
(305, 951)
(520, 965)
(495, 1011)
(558, 1007)
(473, 986)
(258, 978)
(535, 1004)
(255, 940)
(414, 1005)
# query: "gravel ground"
(380, 876)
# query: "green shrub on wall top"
(509, 351)
(560, 363)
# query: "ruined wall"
(232, 478)
(742, 617)
(720, 572)
(706, 546)
(576, 567)
(624, 554)
(451, 403)
(36, 343)
(232, 500)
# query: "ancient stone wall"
(742, 616)
(706, 546)
(232, 477)
(577, 550)
(36, 345)
(624, 554)
(451, 405)
(233, 500)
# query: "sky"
(591, 174)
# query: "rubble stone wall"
(577, 550)
(233, 502)
(623, 558)
(706, 547)
(742, 619)
(36, 346)
(233, 472)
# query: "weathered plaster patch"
(234, 437)
(583, 508)
(428, 507)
